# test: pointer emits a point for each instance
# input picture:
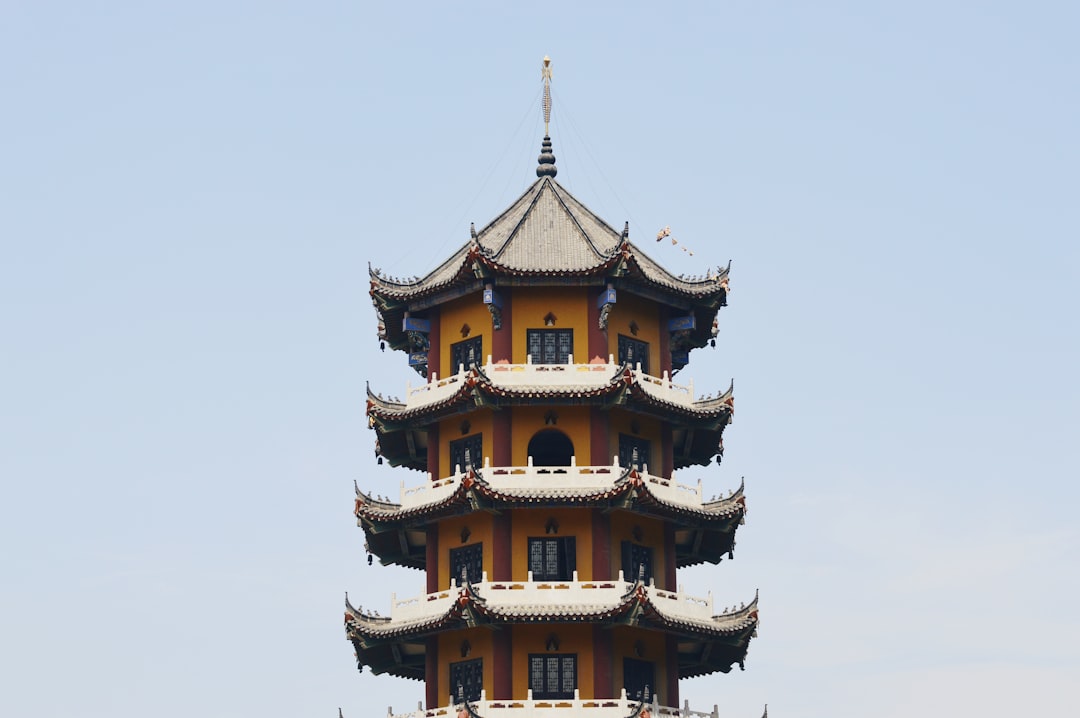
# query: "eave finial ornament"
(546, 168)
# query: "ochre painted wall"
(481, 530)
(571, 420)
(480, 646)
(569, 306)
(646, 314)
(453, 315)
(531, 523)
(572, 638)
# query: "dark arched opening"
(551, 447)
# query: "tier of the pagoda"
(549, 238)
(698, 423)
(704, 528)
(709, 641)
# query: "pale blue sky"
(189, 196)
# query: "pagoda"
(550, 526)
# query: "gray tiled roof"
(547, 230)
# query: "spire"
(546, 168)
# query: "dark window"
(634, 352)
(637, 561)
(465, 453)
(637, 677)
(468, 560)
(550, 346)
(552, 559)
(552, 675)
(466, 353)
(466, 679)
(628, 445)
(550, 447)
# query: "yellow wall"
(531, 523)
(652, 534)
(480, 422)
(573, 638)
(631, 308)
(570, 305)
(452, 315)
(481, 529)
(480, 646)
(572, 421)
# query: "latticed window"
(550, 346)
(468, 560)
(634, 352)
(552, 559)
(466, 679)
(637, 676)
(466, 353)
(552, 675)
(637, 561)
(465, 453)
(634, 452)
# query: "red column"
(503, 668)
(598, 342)
(433, 451)
(501, 556)
(601, 546)
(431, 558)
(667, 451)
(502, 340)
(669, 557)
(431, 669)
(599, 450)
(665, 342)
(603, 682)
(435, 341)
(672, 697)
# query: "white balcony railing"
(582, 478)
(581, 594)
(550, 376)
(575, 707)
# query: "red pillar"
(603, 681)
(601, 546)
(503, 668)
(431, 559)
(502, 340)
(672, 697)
(598, 342)
(501, 556)
(431, 670)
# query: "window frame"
(475, 668)
(474, 565)
(557, 335)
(627, 444)
(470, 442)
(634, 344)
(565, 557)
(463, 347)
(559, 692)
(643, 672)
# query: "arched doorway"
(551, 447)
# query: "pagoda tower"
(550, 526)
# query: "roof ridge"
(528, 210)
(574, 219)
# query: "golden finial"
(545, 73)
